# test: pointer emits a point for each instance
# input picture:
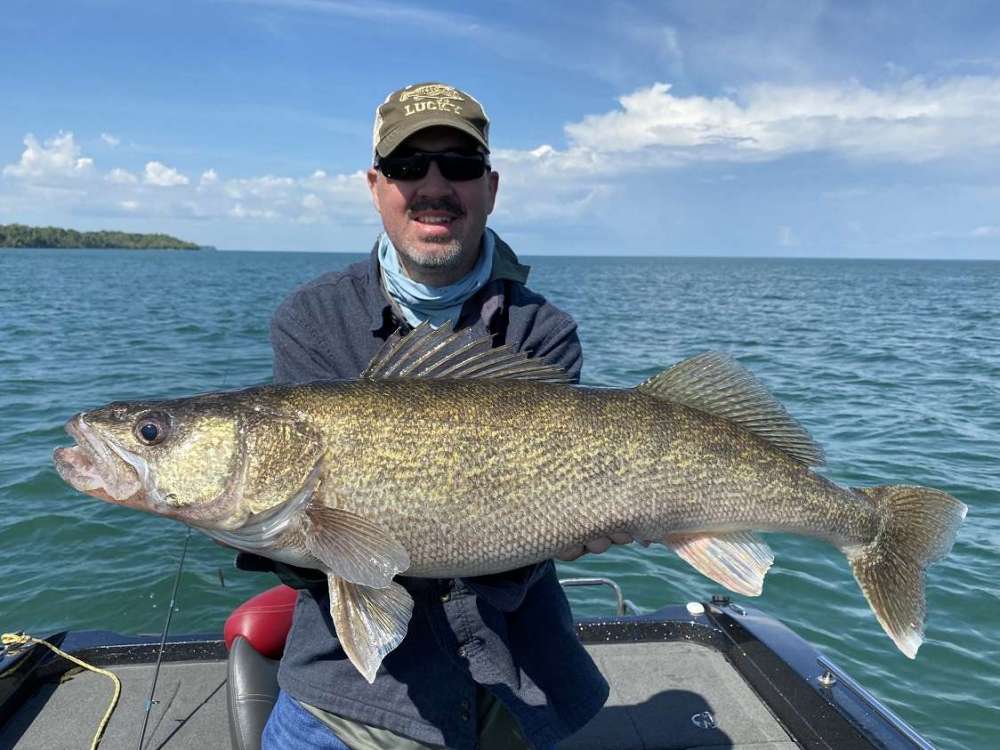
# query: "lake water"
(894, 367)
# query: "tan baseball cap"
(424, 105)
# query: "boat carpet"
(674, 696)
(664, 696)
(191, 710)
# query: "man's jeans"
(291, 727)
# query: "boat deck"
(703, 676)
(661, 693)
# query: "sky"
(796, 128)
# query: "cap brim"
(392, 140)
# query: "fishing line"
(163, 637)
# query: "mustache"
(436, 204)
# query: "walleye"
(448, 458)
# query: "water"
(894, 366)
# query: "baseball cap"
(424, 105)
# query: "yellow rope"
(21, 639)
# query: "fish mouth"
(91, 467)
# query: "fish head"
(171, 458)
(210, 461)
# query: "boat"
(712, 674)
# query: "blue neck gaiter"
(436, 304)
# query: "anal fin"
(370, 622)
(737, 560)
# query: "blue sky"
(687, 128)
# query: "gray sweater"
(512, 633)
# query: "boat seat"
(255, 636)
(252, 691)
(264, 620)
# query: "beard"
(446, 254)
(434, 253)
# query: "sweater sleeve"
(295, 344)
(562, 347)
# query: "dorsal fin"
(715, 384)
(429, 352)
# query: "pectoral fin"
(370, 622)
(737, 560)
(353, 548)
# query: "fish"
(451, 458)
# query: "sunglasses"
(453, 166)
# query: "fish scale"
(498, 484)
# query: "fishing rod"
(163, 637)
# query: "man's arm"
(553, 337)
(293, 343)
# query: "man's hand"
(290, 575)
(597, 546)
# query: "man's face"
(435, 224)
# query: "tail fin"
(917, 527)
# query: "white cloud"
(58, 157)
(349, 188)
(316, 198)
(911, 121)
(161, 175)
(121, 177)
(544, 183)
(653, 130)
(111, 140)
(786, 237)
(986, 232)
(259, 187)
(43, 171)
(313, 202)
(239, 211)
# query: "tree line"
(19, 235)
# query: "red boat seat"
(263, 620)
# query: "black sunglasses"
(455, 167)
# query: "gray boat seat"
(253, 690)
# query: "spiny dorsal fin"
(715, 384)
(429, 352)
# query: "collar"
(506, 266)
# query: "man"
(486, 662)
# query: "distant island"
(19, 235)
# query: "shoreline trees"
(20, 235)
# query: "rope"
(18, 640)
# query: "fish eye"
(152, 429)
